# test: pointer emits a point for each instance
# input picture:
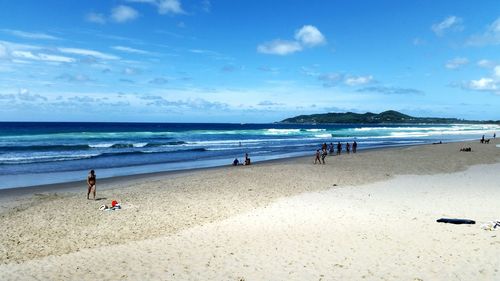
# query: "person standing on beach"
(347, 147)
(323, 156)
(495, 135)
(339, 148)
(331, 148)
(91, 182)
(354, 146)
(317, 159)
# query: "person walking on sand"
(247, 159)
(317, 159)
(91, 182)
(495, 135)
(354, 146)
(323, 156)
(339, 148)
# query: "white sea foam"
(38, 158)
(282, 131)
(322, 136)
(101, 145)
(141, 144)
(465, 127)
(88, 135)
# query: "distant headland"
(386, 117)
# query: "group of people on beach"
(247, 161)
(483, 140)
(330, 149)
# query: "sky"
(247, 61)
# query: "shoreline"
(112, 182)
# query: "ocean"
(36, 153)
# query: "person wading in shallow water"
(91, 182)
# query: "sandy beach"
(364, 216)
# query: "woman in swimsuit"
(91, 182)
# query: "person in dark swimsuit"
(323, 156)
(91, 182)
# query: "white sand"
(382, 230)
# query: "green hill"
(390, 116)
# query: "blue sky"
(246, 61)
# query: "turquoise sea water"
(43, 153)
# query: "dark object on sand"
(456, 221)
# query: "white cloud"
(40, 57)
(130, 50)
(24, 55)
(449, 23)
(333, 79)
(490, 37)
(497, 71)
(95, 18)
(390, 90)
(358, 80)
(25, 95)
(483, 84)
(121, 14)
(17, 46)
(309, 36)
(170, 7)
(330, 79)
(279, 47)
(86, 52)
(164, 6)
(456, 63)
(486, 63)
(73, 77)
(487, 84)
(30, 35)
(54, 58)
